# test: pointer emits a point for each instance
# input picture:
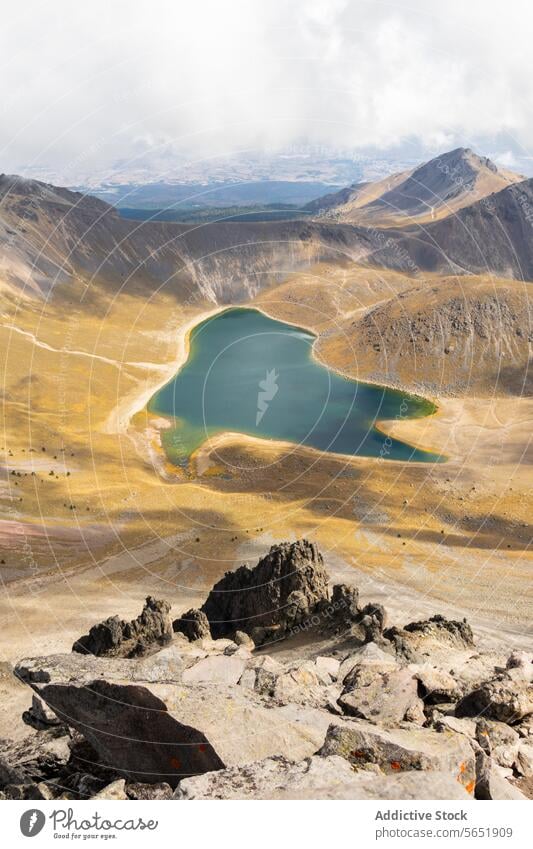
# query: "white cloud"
(86, 84)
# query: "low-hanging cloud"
(88, 85)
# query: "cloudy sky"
(87, 85)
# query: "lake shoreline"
(148, 442)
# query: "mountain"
(50, 235)
(451, 336)
(493, 235)
(427, 193)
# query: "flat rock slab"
(380, 694)
(167, 729)
(402, 749)
(218, 669)
(316, 778)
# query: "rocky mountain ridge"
(436, 189)
(480, 221)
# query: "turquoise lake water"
(250, 374)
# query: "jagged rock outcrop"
(266, 601)
(116, 638)
(194, 624)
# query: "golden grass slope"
(98, 519)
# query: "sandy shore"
(121, 416)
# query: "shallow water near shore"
(250, 374)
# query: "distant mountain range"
(456, 214)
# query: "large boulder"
(267, 601)
(316, 778)
(146, 721)
(116, 638)
(502, 698)
(417, 639)
(381, 695)
(402, 749)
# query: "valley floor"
(94, 519)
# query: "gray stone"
(243, 639)
(500, 740)
(380, 695)
(400, 749)
(522, 662)
(460, 726)
(115, 790)
(491, 782)
(316, 778)
(368, 655)
(500, 698)
(524, 759)
(217, 669)
(437, 685)
(143, 792)
(327, 668)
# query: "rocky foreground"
(278, 687)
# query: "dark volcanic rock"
(26, 763)
(373, 621)
(341, 611)
(40, 717)
(194, 625)
(282, 591)
(152, 745)
(116, 638)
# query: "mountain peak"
(433, 189)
